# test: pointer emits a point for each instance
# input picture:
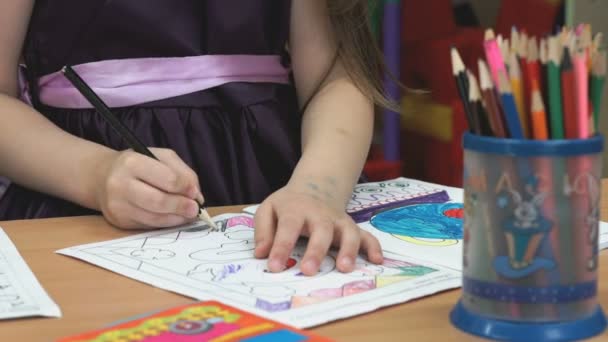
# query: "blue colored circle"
(428, 220)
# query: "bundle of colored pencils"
(535, 89)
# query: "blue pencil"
(509, 107)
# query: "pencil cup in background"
(530, 239)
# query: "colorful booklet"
(204, 321)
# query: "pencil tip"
(489, 34)
(457, 64)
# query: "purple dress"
(242, 139)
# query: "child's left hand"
(291, 212)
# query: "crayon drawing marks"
(223, 263)
(430, 224)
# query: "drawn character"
(429, 224)
(524, 231)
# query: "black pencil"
(462, 84)
(121, 129)
(475, 103)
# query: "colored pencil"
(598, 77)
(490, 100)
(538, 114)
(518, 92)
(509, 107)
(477, 109)
(460, 75)
(514, 39)
(118, 126)
(581, 84)
(554, 90)
(493, 55)
(568, 96)
(543, 56)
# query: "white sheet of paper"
(21, 295)
(603, 238)
(207, 265)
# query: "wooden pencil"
(460, 76)
(493, 55)
(518, 92)
(554, 90)
(543, 57)
(509, 107)
(119, 127)
(477, 109)
(538, 114)
(490, 101)
(581, 84)
(598, 77)
(568, 96)
(514, 39)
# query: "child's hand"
(291, 212)
(139, 192)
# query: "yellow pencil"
(518, 92)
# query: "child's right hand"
(138, 192)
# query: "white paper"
(206, 265)
(603, 235)
(21, 295)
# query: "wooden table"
(91, 297)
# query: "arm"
(83, 172)
(337, 126)
(336, 134)
(24, 132)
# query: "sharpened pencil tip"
(457, 63)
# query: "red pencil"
(569, 96)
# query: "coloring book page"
(206, 265)
(603, 239)
(21, 295)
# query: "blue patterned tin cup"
(531, 239)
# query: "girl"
(207, 85)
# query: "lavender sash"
(128, 82)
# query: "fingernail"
(275, 265)
(346, 261)
(311, 266)
(199, 198)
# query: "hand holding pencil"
(139, 188)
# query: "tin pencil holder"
(530, 239)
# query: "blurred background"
(423, 140)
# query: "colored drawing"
(220, 265)
(206, 321)
(369, 198)
(430, 224)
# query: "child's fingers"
(151, 199)
(142, 219)
(287, 234)
(319, 241)
(350, 242)
(152, 172)
(372, 248)
(265, 226)
(188, 184)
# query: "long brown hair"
(357, 47)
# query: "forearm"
(336, 134)
(37, 154)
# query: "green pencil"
(598, 76)
(554, 87)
